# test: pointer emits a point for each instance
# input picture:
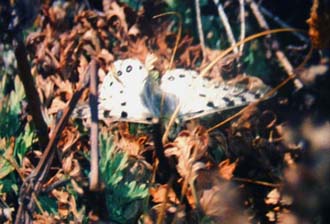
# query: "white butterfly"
(128, 93)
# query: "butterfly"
(129, 93)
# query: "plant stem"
(31, 94)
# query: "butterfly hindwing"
(199, 96)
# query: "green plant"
(125, 190)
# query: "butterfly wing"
(198, 96)
(123, 92)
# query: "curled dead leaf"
(188, 148)
(226, 169)
(163, 193)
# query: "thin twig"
(31, 93)
(243, 25)
(280, 22)
(256, 12)
(279, 54)
(226, 24)
(257, 182)
(249, 38)
(94, 183)
(200, 27)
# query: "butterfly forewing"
(122, 92)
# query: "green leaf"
(125, 190)
(5, 167)
(23, 143)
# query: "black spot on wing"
(129, 68)
(111, 83)
(202, 95)
(140, 67)
(229, 102)
(210, 104)
(123, 104)
(123, 114)
(171, 78)
(119, 73)
(182, 75)
(149, 119)
(121, 91)
(106, 113)
(257, 95)
(243, 99)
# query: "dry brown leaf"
(62, 198)
(67, 163)
(158, 194)
(273, 197)
(79, 216)
(189, 147)
(44, 218)
(69, 137)
(246, 121)
(226, 169)
(318, 22)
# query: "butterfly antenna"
(268, 94)
(241, 42)
(178, 35)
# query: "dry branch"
(31, 94)
(93, 96)
(32, 184)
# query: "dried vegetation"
(270, 165)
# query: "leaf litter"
(251, 170)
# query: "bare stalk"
(200, 27)
(94, 183)
(242, 21)
(24, 72)
(227, 26)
